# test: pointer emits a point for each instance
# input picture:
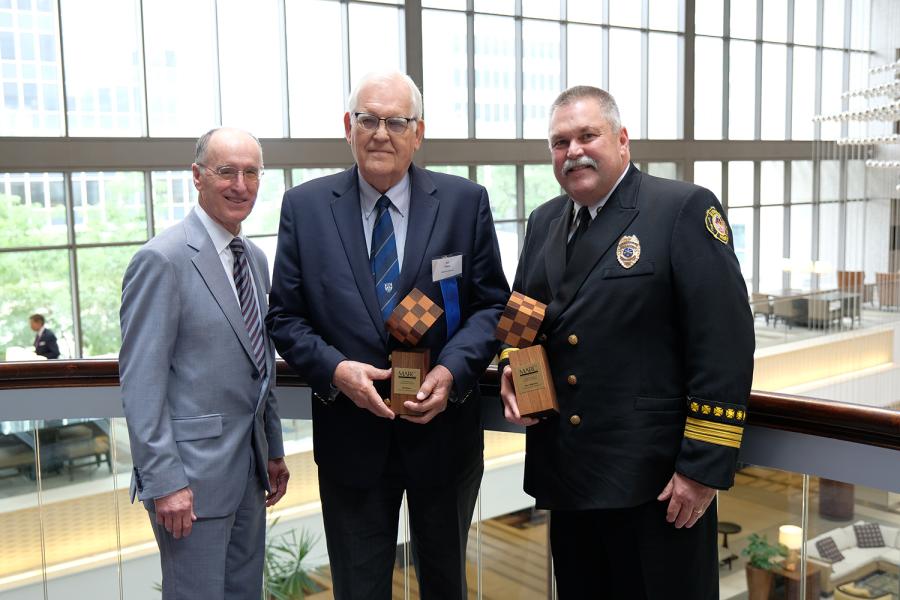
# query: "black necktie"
(584, 221)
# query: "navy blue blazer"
(323, 310)
(46, 345)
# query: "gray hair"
(203, 144)
(415, 96)
(607, 103)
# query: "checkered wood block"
(521, 320)
(413, 317)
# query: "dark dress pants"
(635, 554)
(361, 533)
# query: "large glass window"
(182, 66)
(445, 73)
(104, 79)
(32, 209)
(376, 39)
(741, 90)
(316, 86)
(625, 77)
(243, 66)
(30, 74)
(495, 77)
(540, 75)
(584, 61)
(707, 88)
(662, 117)
(109, 207)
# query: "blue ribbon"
(450, 292)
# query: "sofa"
(858, 554)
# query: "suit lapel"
(209, 266)
(608, 226)
(348, 220)
(555, 256)
(423, 208)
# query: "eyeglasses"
(393, 124)
(229, 173)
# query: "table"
(726, 528)
(792, 582)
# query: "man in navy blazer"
(44, 340)
(327, 320)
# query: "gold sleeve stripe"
(723, 427)
(712, 440)
(505, 354)
(736, 437)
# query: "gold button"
(573, 340)
(575, 420)
(572, 379)
(542, 338)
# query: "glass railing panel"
(295, 527)
(513, 546)
(854, 539)
(78, 506)
(763, 510)
(140, 570)
(21, 562)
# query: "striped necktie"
(383, 258)
(249, 307)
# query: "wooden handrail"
(825, 418)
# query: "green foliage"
(285, 576)
(761, 552)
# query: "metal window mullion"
(725, 195)
(789, 74)
(62, 69)
(217, 71)
(520, 76)
(645, 69)
(786, 219)
(757, 221)
(73, 265)
(604, 42)
(470, 65)
(817, 98)
(563, 52)
(285, 80)
(757, 106)
(148, 203)
(413, 49)
(142, 47)
(520, 203)
(842, 214)
(726, 64)
(345, 45)
(688, 65)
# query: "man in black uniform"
(650, 342)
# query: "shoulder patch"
(715, 224)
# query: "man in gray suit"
(197, 372)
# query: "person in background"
(44, 341)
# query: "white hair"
(415, 96)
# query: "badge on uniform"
(716, 225)
(628, 251)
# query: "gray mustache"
(581, 161)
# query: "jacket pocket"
(642, 268)
(659, 404)
(185, 429)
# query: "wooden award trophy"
(408, 323)
(518, 327)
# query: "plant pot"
(759, 583)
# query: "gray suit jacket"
(194, 401)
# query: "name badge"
(446, 267)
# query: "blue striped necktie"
(383, 258)
(249, 307)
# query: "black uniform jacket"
(652, 363)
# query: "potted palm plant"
(760, 553)
(285, 575)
